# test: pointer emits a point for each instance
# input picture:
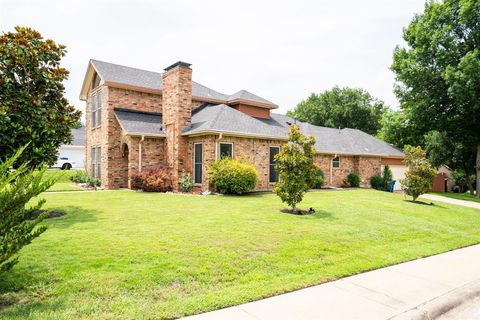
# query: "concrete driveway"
(464, 203)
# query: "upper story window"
(336, 162)
(96, 109)
(226, 150)
(273, 176)
(96, 81)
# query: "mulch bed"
(50, 214)
(299, 212)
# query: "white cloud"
(280, 50)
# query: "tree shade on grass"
(128, 255)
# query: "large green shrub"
(353, 180)
(17, 188)
(319, 180)
(231, 176)
(376, 182)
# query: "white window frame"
(270, 165)
(219, 149)
(333, 159)
(194, 163)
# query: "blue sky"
(280, 50)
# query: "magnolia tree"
(295, 168)
(419, 177)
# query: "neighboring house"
(139, 119)
(73, 153)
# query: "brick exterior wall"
(366, 167)
(253, 151)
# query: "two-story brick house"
(137, 119)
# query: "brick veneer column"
(176, 115)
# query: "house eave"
(233, 133)
(146, 135)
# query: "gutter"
(140, 153)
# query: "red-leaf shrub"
(151, 180)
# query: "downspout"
(216, 144)
(140, 153)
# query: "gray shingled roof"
(110, 72)
(140, 123)
(245, 95)
(222, 118)
(78, 137)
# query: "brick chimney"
(176, 115)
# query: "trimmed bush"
(151, 180)
(231, 176)
(319, 180)
(186, 182)
(80, 177)
(353, 180)
(376, 182)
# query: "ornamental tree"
(420, 174)
(295, 168)
(33, 109)
(17, 188)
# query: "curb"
(436, 307)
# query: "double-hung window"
(94, 111)
(99, 109)
(336, 162)
(96, 166)
(226, 150)
(273, 172)
(99, 163)
(94, 161)
(197, 163)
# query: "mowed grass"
(460, 196)
(63, 183)
(128, 255)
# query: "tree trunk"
(469, 182)
(478, 171)
(294, 208)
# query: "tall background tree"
(438, 75)
(342, 108)
(33, 109)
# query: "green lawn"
(460, 196)
(128, 255)
(64, 183)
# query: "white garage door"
(398, 172)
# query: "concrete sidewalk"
(378, 294)
(464, 203)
